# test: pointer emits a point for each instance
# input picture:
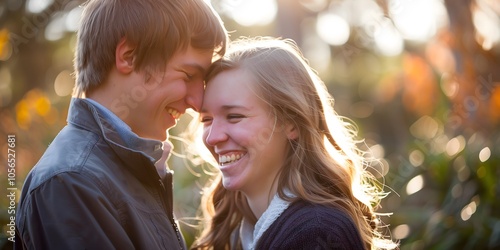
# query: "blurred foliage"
(428, 106)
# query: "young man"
(139, 65)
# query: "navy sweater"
(310, 226)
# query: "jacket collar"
(84, 114)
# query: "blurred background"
(420, 78)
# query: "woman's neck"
(260, 201)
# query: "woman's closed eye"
(235, 117)
(206, 119)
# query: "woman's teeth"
(174, 113)
(225, 159)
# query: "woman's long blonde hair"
(323, 165)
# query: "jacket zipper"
(170, 216)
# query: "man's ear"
(124, 57)
(291, 131)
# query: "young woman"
(291, 176)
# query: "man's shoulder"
(69, 152)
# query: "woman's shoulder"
(318, 216)
(307, 224)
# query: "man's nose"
(194, 97)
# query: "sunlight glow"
(415, 185)
(333, 29)
(359, 12)
(418, 20)
(316, 50)
(388, 40)
(487, 24)
(314, 5)
(251, 12)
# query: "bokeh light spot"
(415, 185)
(23, 117)
(484, 154)
(388, 41)
(449, 85)
(401, 231)
(37, 6)
(5, 46)
(63, 85)
(73, 18)
(42, 105)
(418, 20)
(332, 28)
(416, 158)
(468, 211)
(377, 151)
(424, 128)
(251, 12)
(56, 28)
(455, 145)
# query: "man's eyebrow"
(195, 66)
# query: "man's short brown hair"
(157, 29)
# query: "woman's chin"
(231, 185)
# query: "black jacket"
(89, 191)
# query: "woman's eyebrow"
(227, 107)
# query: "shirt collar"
(251, 234)
(149, 147)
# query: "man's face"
(161, 100)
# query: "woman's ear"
(291, 131)
(124, 57)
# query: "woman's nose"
(215, 134)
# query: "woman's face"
(242, 133)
